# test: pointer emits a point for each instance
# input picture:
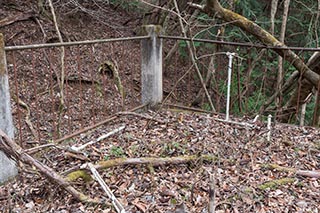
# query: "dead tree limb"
(14, 151)
(152, 161)
(305, 173)
(213, 7)
(110, 118)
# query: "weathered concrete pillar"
(7, 166)
(151, 66)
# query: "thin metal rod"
(239, 44)
(230, 56)
(74, 43)
(38, 46)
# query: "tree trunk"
(274, 7)
(280, 60)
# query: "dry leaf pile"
(242, 176)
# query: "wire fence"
(91, 93)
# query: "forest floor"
(177, 160)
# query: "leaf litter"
(242, 181)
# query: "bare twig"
(62, 56)
(115, 202)
(235, 122)
(38, 148)
(281, 39)
(193, 59)
(110, 118)
(78, 148)
(176, 45)
(306, 173)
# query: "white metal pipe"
(230, 56)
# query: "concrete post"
(151, 66)
(7, 166)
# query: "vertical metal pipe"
(230, 56)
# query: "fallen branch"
(78, 148)
(111, 118)
(38, 148)
(275, 183)
(14, 151)
(152, 161)
(115, 202)
(235, 122)
(186, 109)
(78, 79)
(306, 173)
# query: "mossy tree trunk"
(311, 78)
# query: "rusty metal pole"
(7, 166)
